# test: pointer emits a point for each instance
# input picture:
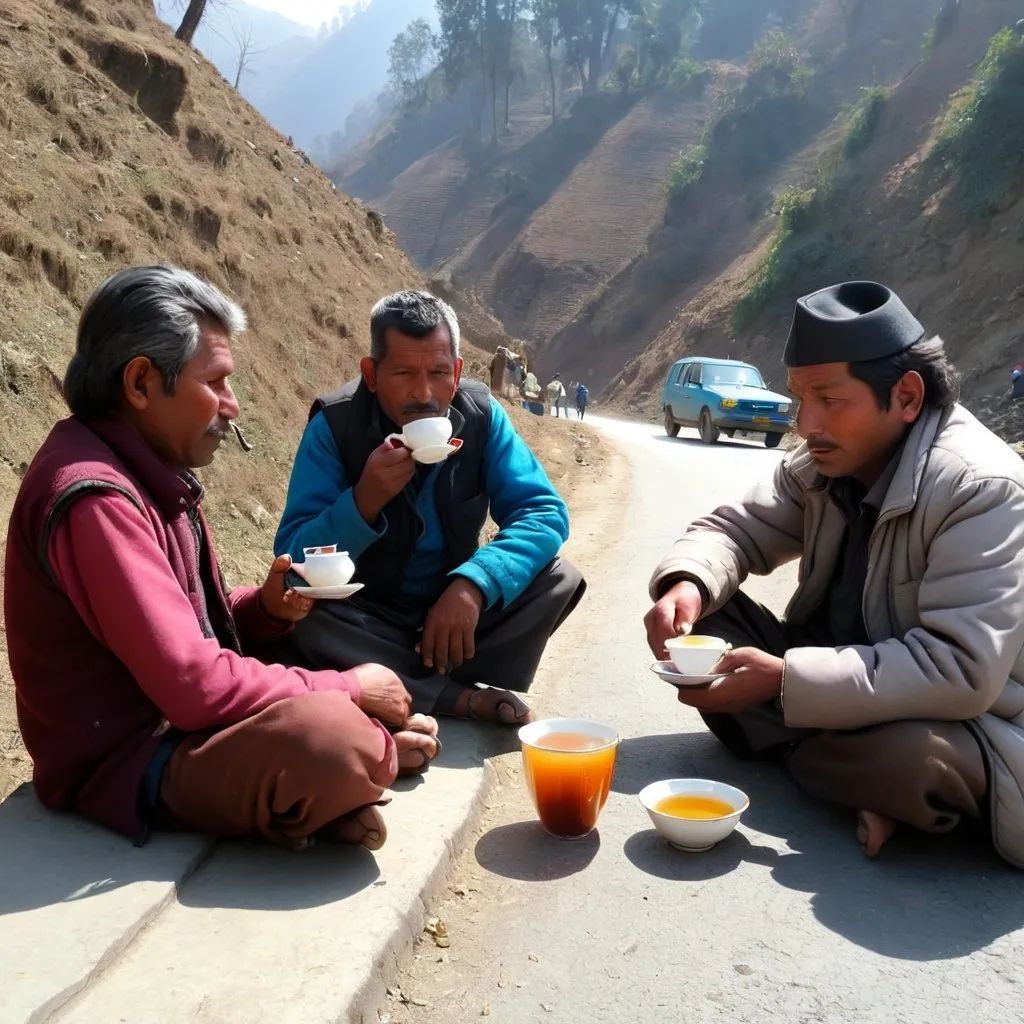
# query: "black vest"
(359, 425)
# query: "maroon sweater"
(118, 625)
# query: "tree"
(245, 50)
(587, 28)
(193, 16)
(190, 22)
(412, 56)
(545, 29)
(661, 27)
(475, 43)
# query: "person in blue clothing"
(438, 609)
(582, 394)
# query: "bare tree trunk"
(244, 43)
(494, 100)
(189, 24)
(554, 94)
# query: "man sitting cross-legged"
(441, 611)
(895, 683)
(138, 698)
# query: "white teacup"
(325, 568)
(427, 433)
(695, 655)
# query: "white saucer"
(667, 670)
(434, 453)
(335, 593)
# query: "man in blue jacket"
(439, 610)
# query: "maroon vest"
(90, 729)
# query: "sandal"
(457, 701)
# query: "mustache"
(221, 429)
(415, 407)
(822, 446)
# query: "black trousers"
(509, 640)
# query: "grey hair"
(153, 311)
(412, 313)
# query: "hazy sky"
(311, 12)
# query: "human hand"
(753, 677)
(672, 615)
(279, 600)
(449, 634)
(388, 469)
(382, 694)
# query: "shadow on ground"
(925, 898)
(51, 858)
(523, 850)
(255, 876)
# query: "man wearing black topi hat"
(895, 682)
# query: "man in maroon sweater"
(138, 697)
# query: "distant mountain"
(317, 97)
(278, 44)
(304, 82)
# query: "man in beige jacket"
(895, 682)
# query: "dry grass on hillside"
(120, 146)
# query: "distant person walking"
(1017, 381)
(557, 397)
(582, 394)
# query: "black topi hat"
(850, 323)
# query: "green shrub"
(866, 115)
(980, 132)
(686, 172)
(796, 209)
(774, 68)
(688, 75)
(624, 74)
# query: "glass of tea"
(568, 764)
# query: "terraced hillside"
(564, 232)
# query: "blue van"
(723, 396)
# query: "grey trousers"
(509, 640)
(928, 774)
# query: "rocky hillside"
(824, 140)
(119, 146)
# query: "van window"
(745, 376)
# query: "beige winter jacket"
(943, 602)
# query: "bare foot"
(487, 704)
(365, 827)
(873, 832)
(417, 744)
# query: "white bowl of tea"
(694, 814)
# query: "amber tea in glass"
(568, 764)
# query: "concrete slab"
(260, 934)
(72, 896)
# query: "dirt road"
(785, 921)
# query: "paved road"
(785, 921)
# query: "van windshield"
(745, 376)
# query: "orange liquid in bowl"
(693, 806)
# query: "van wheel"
(671, 427)
(772, 440)
(708, 430)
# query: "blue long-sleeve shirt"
(532, 519)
